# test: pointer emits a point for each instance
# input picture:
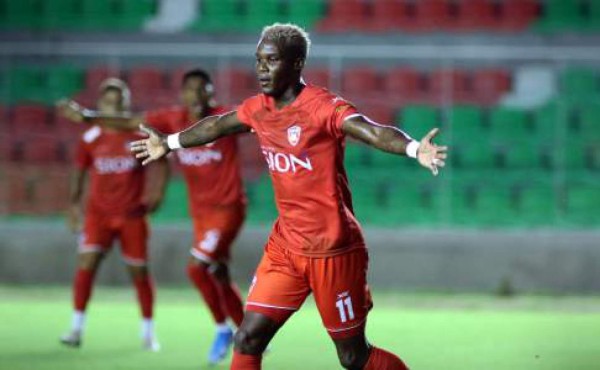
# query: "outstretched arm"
(393, 140)
(71, 110)
(157, 145)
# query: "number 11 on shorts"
(344, 306)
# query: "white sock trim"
(223, 327)
(147, 328)
(78, 321)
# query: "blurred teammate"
(316, 244)
(217, 201)
(116, 208)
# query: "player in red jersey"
(316, 244)
(217, 200)
(116, 208)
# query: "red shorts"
(215, 230)
(99, 232)
(283, 280)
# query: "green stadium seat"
(594, 15)
(356, 154)
(417, 120)
(537, 205)
(465, 122)
(63, 81)
(21, 14)
(262, 13)
(579, 82)
(494, 206)
(561, 15)
(521, 155)
(589, 122)
(26, 83)
(583, 202)
(509, 125)
(97, 15)
(305, 13)
(473, 153)
(219, 15)
(551, 119)
(61, 14)
(133, 13)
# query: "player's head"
(196, 88)
(114, 96)
(280, 57)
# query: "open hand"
(431, 155)
(152, 148)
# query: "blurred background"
(513, 85)
(494, 264)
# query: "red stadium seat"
(235, 84)
(8, 148)
(404, 85)
(44, 149)
(517, 15)
(473, 15)
(148, 78)
(360, 81)
(95, 75)
(379, 112)
(449, 85)
(345, 15)
(29, 119)
(386, 15)
(318, 76)
(426, 16)
(176, 78)
(4, 126)
(490, 84)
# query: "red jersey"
(212, 171)
(117, 178)
(303, 144)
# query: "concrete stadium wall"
(447, 260)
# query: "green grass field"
(429, 331)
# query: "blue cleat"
(220, 346)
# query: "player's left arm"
(156, 184)
(393, 140)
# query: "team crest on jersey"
(293, 133)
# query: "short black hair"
(196, 72)
(290, 38)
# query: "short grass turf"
(429, 331)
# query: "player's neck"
(289, 95)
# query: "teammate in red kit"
(217, 201)
(316, 244)
(116, 208)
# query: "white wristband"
(412, 148)
(173, 141)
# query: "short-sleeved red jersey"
(303, 144)
(212, 171)
(117, 179)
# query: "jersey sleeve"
(160, 120)
(83, 157)
(337, 110)
(245, 112)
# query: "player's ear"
(299, 64)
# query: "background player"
(316, 243)
(217, 200)
(116, 207)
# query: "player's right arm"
(76, 187)
(74, 112)
(209, 129)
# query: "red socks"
(144, 287)
(231, 298)
(380, 359)
(245, 362)
(204, 282)
(82, 288)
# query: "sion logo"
(286, 162)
